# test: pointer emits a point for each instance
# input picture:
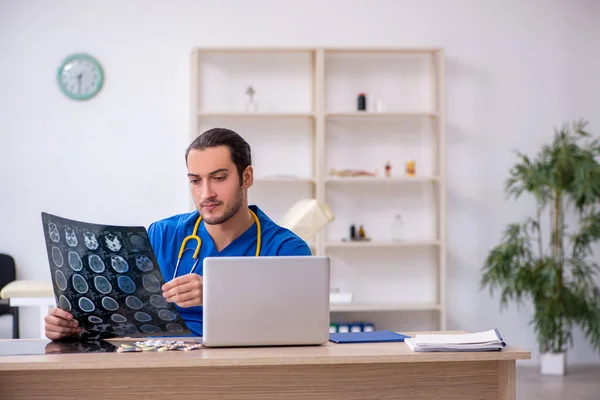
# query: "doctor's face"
(215, 184)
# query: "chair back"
(8, 271)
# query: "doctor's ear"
(248, 177)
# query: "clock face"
(80, 77)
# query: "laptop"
(266, 301)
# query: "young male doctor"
(219, 164)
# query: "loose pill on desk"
(128, 350)
(192, 347)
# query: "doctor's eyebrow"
(210, 174)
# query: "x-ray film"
(109, 279)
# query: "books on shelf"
(480, 341)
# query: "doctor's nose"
(207, 191)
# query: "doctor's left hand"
(185, 291)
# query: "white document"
(464, 338)
(480, 341)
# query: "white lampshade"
(307, 218)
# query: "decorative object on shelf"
(362, 102)
(362, 236)
(380, 106)
(411, 168)
(345, 327)
(350, 172)
(556, 274)
(356, 236)
(397, 228)
(338, 297)
(251, 105)
(388, 169)
(80, 76)
(361, 233)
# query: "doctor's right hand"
(60, 324)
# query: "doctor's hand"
(185, 291)
(59, 324)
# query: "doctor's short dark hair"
(240, 151)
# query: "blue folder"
(367, 337)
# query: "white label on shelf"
(340, 298)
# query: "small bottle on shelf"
(362, 102)
(397, 228)
(411, 168)
(388, 169)
(251, 105)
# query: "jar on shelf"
(397, 228)
(411, 168)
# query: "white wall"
(514, 70)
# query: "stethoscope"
(194, 236)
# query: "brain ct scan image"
(108, 278)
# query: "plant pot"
(553, 363)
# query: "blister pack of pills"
(158, 345)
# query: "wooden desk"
(332, 372)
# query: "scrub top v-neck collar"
(248, 235)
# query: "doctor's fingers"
(184, 288)
(182, 280)
(60, 330)
(60, 313)
(193, 295)
(57, 336)
(56, 332)
(189, 303)
(52, 320)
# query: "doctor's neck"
(225, 233)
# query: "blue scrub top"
(167, 235)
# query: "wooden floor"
(580, 383)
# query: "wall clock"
(80, 76)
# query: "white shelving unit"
(307, 124)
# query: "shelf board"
(399, 50)
(348, 307)
(284, 180)
(381, 180)
(380, 115)
(255, 49)
(333, 50)
(379, 244)
(205, 114)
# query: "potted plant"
(548, 258)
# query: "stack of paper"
(480, 341)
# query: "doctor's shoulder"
(286, 242)
(170, 225)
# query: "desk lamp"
(307, 218)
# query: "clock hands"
(79, 76)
